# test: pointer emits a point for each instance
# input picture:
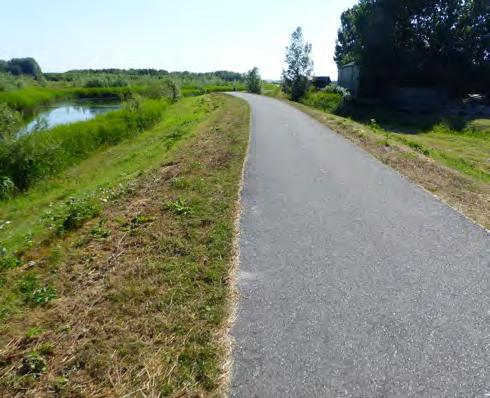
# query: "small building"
(320, 82)
(349, 78)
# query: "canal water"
(67, 112)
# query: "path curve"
(354, 282)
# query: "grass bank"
(135, 301)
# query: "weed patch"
(33, 292)
(71, 215)
(178, 207)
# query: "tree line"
(21, 66)
(223, 75)
(443, 44)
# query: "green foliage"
(7, 262)
(146, 78)
(72, 214)
(10, 121)
(11, 82)
(36, 156)
(178, 207)
(253, 81)
(7, 188)
(34, 332)
(299, 64)
(441, 43)
(105, 175)
(27, 99)
(106, 82)
(33, 363)
(335, 88)
(163, 89)
(271, 89)
(22, 66)
(323, 99)
(33, 292)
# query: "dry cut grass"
(143, 288)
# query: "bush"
(10, 121)
(94, 83)
(163, 89)
(324, 100)
(335, 88)
(71, 215)
(34, 293)
(7, 262)
(7, 188)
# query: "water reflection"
(65, 113)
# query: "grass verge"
(135, 302)
(454, 167)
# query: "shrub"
(324, 100)
(178, 207)
(163, 89)
(33, 363)
(10, 121)
(7, 188)
(71, 215)
(335, 88)
(34, 293)
(7, 262)
(95, 83)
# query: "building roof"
(321, 77)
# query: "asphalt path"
(353, 281)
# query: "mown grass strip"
(137, 300)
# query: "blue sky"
(189, 35)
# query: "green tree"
(10, 121)
(299, 64)
(440, 43)
(253, 81)
(24, 66)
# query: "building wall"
(349, 78)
